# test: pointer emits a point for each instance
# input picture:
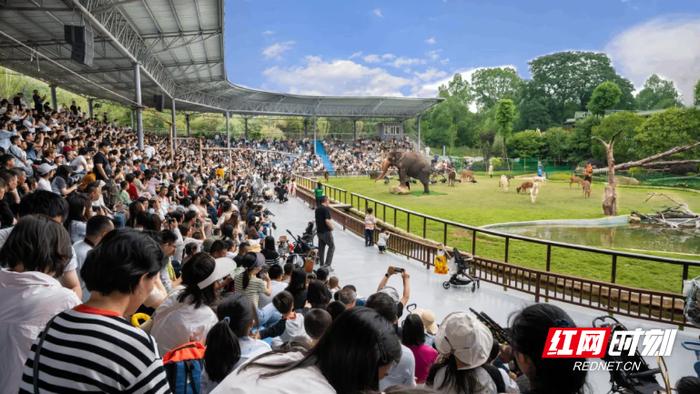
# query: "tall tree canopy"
(567, 80)
(697, 93)
(624, 125)
(664, 130)
(657, 93)
(458, 88)
(605, 96)
(492, 84)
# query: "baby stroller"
(303, 252)
(642, 381)
(461, 278)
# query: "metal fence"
(416, 230)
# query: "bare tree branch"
(652, 158)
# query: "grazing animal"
(534, 191)
(524, 187)
(467, 176)
(451, 177)
(539, 179)
(575, 179)
(586, 185)
(503, 183)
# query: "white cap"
(428, 318)
(463, 335)
(45, 168)
(224, 267)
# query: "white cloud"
(401, 61)
(665, 46)
(268, 33)
(276, 50)
(434, 55)
(388, 56)
(356, 54)
(431, 74)
(430, 41)
(378, 13)
(372, 58)
(335, 77)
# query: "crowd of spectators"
(96, 232)
(362, 156)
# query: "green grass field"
(483, 203)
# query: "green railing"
(659, 306)
(455, 234)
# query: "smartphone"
(399, 270)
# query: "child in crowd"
(370, 222)
(333, 284)
(316, 323)
(383, 240)
(290, 327)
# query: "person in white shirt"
(96, 228)
(345, 359)
(186, 314)
(30, 295)
(45, 172)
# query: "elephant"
(410, 165)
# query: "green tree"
(665, 130)
(492, 84)
(605, 96)
(505, 117)
(657, 94)
(532, 109)
(557, 146)
(697, 93)
(624, 125)
(526, 144)
(580, 139)
(457, 87)
(567, 80)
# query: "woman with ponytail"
(240, 316)
(529, 331)
(187, 314)
(248, 283)
(222, 354)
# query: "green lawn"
(483, 203)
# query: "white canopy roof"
(179, 44)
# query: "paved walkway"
(364, 268)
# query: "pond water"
(624, 236)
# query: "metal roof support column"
(354, 129)
(54, 100)
(314, 135)
(245, 127)
(139, 104)
(172, 119)
(91, 102)
(228, 130)
(187, 123)
(418, 121)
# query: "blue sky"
(409, 47)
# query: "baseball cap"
(463, 335)
(253, 260)
(428, 318)
(223, 268)
(45, 168)
(391, 292)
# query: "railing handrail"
(525, 238)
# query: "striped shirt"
(92, 350)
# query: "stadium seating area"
(131, 270)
